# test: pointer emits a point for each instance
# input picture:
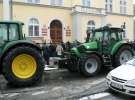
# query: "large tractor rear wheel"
(90, 65)
(123, 55)
(23, 66)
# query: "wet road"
(61, 85)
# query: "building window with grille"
(33, 1)
(86, 3)
(91, 25)
(123, 6)
(33, 27)
(109, 5)
(56, 2)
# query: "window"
(13, 32)
(3, 32)
(106, 37)
(56, 2)
(91, 25)
(98, 36)
(33, 1)
(33, 27)
(86, 3)
(123, 6)
(108, 5)
(113, 37)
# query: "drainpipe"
(7, 9)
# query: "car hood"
(125, 72)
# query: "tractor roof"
(106, 28)
(11, 21)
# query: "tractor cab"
(10, 31)
(107, 37)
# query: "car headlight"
(108, 76)
(131, 83)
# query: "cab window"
(113, 36)
(13, 32)
(3, 32)
(106, 36)
(98, 36)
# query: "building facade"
(68, 20)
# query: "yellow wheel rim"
(24, 66)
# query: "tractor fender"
(94, 52)
(118, 45)
(14, 44)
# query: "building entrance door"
(56, 31)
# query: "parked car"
(122, 78)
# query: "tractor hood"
(84, 47)
(90, 45)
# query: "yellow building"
(68, 20)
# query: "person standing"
(59, 50)
(46, 53)
(68, 46)
(88, 32)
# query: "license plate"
(116, 85)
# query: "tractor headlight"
(88, 47)
(131, 83)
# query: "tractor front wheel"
(90, 66)
(23, 66)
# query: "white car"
(122, 78)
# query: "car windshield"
(131, 62)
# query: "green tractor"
(21, 61)
(105, 48)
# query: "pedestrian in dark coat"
(46, 53)
(52, 50)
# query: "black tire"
(117, 61)
(84, 61)
(7, 66)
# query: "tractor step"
(49, 68)
(107, 60)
